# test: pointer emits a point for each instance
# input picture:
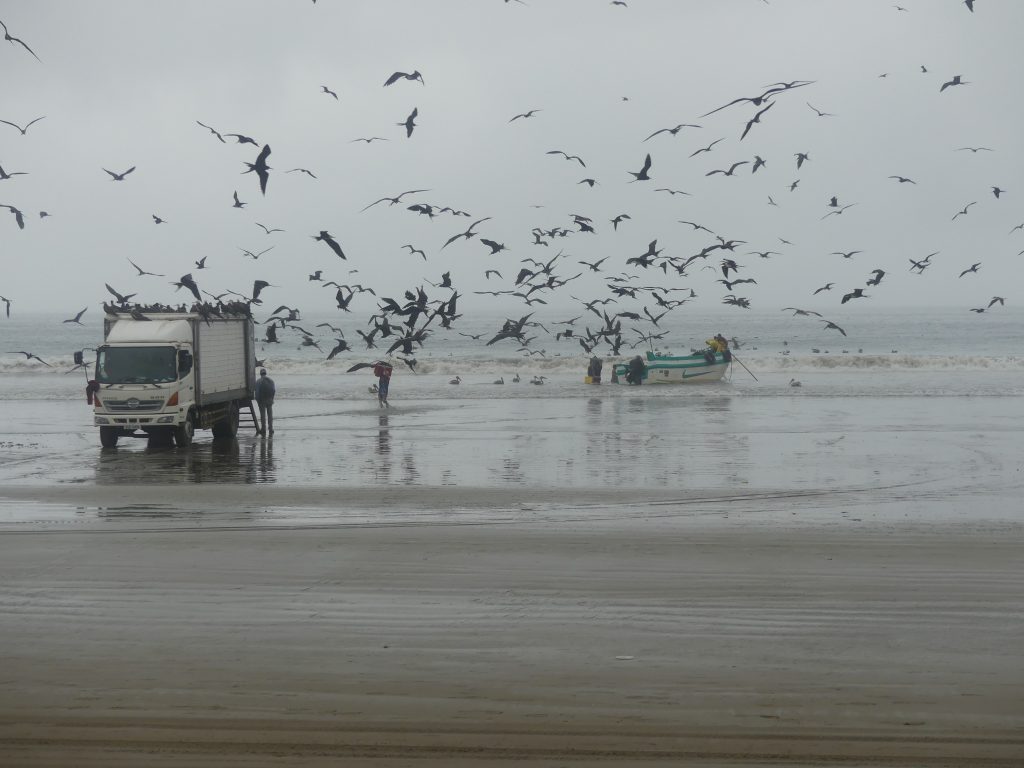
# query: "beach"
(705, 578)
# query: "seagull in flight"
(119, 176)
(31, 356)
(708, 147)
(955, 81)
(818, 111)
(395, 77)
(964, 211)
(77, 319)
(261, 168)
(12, 40)
(394, 200)
(673, 131)
(641, 175)
(409, 121)
(524, 115)
(142, 272)
(327, 90)
(27, 125)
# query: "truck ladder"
(248, 416)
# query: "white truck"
(169, 374)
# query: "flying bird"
(120, 299)
(394, 200)
(395, 77)
(240, 139)
(467, 234)
(119, 176)
(326, 237)
(238, 203)
(818, 111)
(413, 250)
(964, 211)
(4, 175)
(729, 172)
(494, 246)
(214, 131)
(672, 131)
(327, 90)
(856, 293)
(255, 256)
(641, 175)
(524, 115)
(997, 192)
(369, 140)
(409, 122)
(708, 147)
(903, 180)
(261, 168)
(755, 119)
(186, 281)
(12, 40)
(567, 156)
(949, 83)
(27, 125)
(142, 272)
(972, 268)
(77, 319)
(31, 356)
(830, 324)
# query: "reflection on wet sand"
(219, 461)
(382, 464)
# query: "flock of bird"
(648, 286)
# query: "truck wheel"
(185, 431)
(227, 428)
(108, 436)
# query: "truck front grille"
(132, 405)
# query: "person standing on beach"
(265, 391)
(383, 373)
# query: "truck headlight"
(102, 420)
(165, 420)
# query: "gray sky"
(122, 83)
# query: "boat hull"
(689, 369)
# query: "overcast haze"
(123, 84)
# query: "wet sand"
(859, 603)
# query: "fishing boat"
(676, 369)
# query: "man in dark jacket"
(265, 392)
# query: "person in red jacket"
(383, 373)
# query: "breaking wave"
(577, 364)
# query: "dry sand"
(510, 630)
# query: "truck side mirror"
(184, 362)
(79, 358)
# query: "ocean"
(908, 352)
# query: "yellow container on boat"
(588, 379)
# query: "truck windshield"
(136, 365)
